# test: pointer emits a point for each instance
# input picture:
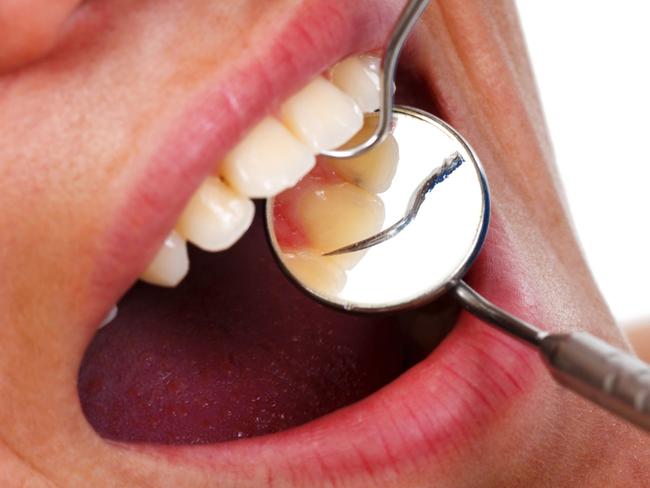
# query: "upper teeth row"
(272, 157)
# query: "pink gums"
(289, 231)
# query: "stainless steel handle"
(613, 379)
(605, 375)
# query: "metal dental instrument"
(437, 176)
(407, 19)
(430, 256)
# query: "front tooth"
(216, 216)
(269, 159)
(171, 263)
(322, 116)
(360, 77)
(316, 272)
(373, 170)
(339, 214)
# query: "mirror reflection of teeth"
(317, 272)
(373, 170)
(273, 156)
(336, 204)
(336, 214)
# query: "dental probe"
(438, 175)
(405, 23)
(432, 252)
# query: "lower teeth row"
(272, 157)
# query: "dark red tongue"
(234, 351)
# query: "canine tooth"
(171, 263)
(269, 159)
(321, 115)
(338, 214)
(216, 216)
(316, 272)
(373, 170)
(359, 77)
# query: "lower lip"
(438, 406)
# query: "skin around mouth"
(114, 129)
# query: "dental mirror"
(430, 252)
(400, 225)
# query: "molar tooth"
(216, 216)
(373, 170)
(321, 115)
(171, 263)
(269, 159)
(359, 77)
(316, 272)
(339, 214)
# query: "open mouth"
(233, 355)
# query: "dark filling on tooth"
(237, 351)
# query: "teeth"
(269, 159)
(171, 263)
(110, 316)
(316, 272)
(273, 157)
(373, 170)
(340, 214)
(322, 116)
(359, 77)
(216, 216)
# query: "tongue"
(235, 351)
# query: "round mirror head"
(417, 205)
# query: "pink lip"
(443, 402)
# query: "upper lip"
(314, 37)
(440, 403)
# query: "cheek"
(80, 124)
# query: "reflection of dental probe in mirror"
(437, 176)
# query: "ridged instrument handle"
(613, 379)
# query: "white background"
(592, 64)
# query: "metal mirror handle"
(609, 377)
(601, 373)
